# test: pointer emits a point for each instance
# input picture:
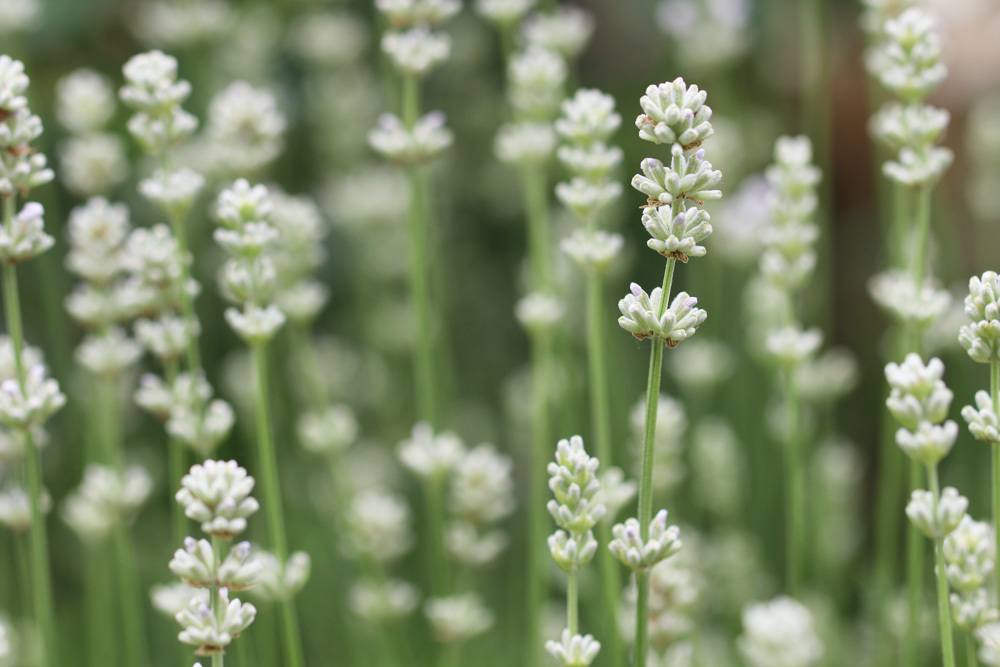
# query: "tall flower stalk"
(587, 121)
(907, 61)
(249, 280)
(675, 115)
(919, 401)
(576, 509)
(30, 397)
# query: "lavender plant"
(28, 396)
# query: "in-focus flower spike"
(780, 632)
(982, 420)
(981, 337)
(638, 554)
(936, 518)
(675, 113)
(677, 236)
(217, 494)
(21, 166)
(918, 392)
(929, 443)
(576, 507)
(688, 177)
(25, 237)
(209, 632)
(643, 316)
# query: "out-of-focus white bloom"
(982, 420)
(328, 432)
(929, 443)
(504, 12)
(828, 376)
(716, 464)
(539, 311)
(217, 495)
(969, 554)
(181, 24)
(167, 337)
(255, 324)
(329, 38)
(587, 117)
(211, 633)
(898, 126)
(402, 13)
(593, 250)
(565, 30)
(280, 581)
(574, 650)
(702, 364)
(973, 611)
(525, 142)
(790, 346)
(378, 526)
(470, 546)
(245, 128)
(482, 486)
(97, 234)
(714, 33)
(93, 163)
(191, 415)
(383, 600)
(638, 553)
(741, 220)
(895, 293)
(458, 618)
(644, 316)
(32, 405)
(675, 587)
(417, 50)
(15, 508)
(154, 91)
(585, 198)
(779, 633)
(908, 62)
(536, 79)
(989, 644)
(615, 491)
(668, 460)
(427, 138)
(936, 518)
(981, 338)
(919, 167)
(85, 101)
(108, 353)
(18, 15)
(430, 454)
(25, 237)
(173, 191)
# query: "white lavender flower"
(173, 191)
(504, 12)
(536, 79)
(430, 454)
(702, 365)
(929, 443)
(383, 600)
(779, 633)
(458, 618)
(31, 405)
(167, 337)
(973, 611)
(192, 416)
(217, 495)
(989, 643)
(674, 113)
(92, 164)
(790, 346)
(982, 419)
(714, 34)
(416, 51)
(328, 432)
(377, 524)
(106, 497)
(908, 63)
(576, 507)
(197, 565)
(969, 554)
(640, 554)
(25, 237)
(402, 13)
(211, 633)
(615, 491)
(895, 292)
(918, 392)
(574, 650)
(21, 167)
(472, 546)
(565, 30)
(593, 250)
(108, 353)
(85, 101)
(539, 311)
(936, 518)
(644, 315)
(689, 176)
(17, 16)
(525, 142)
(482, 486)
(678, 236)
(827, 377)
(170, 599)
(153, 90)
(182, 25)
(585, 198)
(981, 337)
(245, 128)
(426, 139)
(15, 508)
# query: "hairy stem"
(271, 492)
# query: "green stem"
(187, 302)
(41, 582)
(795, 481)
(536, 199)
(922, 223)
(944, 610)
(645, 510)
(995, 454)
(100, 634)
(434, 495)
(541, 448)
(423, 356)
(971, 659)
(271, 495)
(572, 605)
(914, 579)
(131, 596)
(215, 602)
(600, 410)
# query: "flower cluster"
(481, 495)
(981, 336)
(674, 114)
(105, 498)
(779, 632)
(937, 517)
(587, 122)
(217, 495)
(969, 556)
(565, 30)
(297, 254)
(576, 507)
(908, 64)
(244, 129)
(190, 413)
(22, 168)
(154, 92)
(910, 305)
(249, 275)
(919, 400)
(640, 553)
(93, 160)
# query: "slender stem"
(541, 448)
(434, 496)
(271, 492)
(645, 510)
(425, 378)
(217, 611)
(572, 605)
(995, 454)
(922, 223)
(536, 199)
(41, 582)
(944, 610)
(132, 612)
(176, 465)
(100, 633)
(971, 659)
(187, 301)
(914, 579)
(795, 481)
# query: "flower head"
(574, 650)
(644, 316)
(779, 633)
(936, 518)
(217, 494)
(675, 113)
(638, 553)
